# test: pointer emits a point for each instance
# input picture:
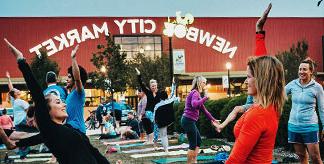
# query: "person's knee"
(316, 158)
(302, 155)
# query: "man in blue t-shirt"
(53, 88)
(77, 77)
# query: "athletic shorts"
(303, 138)
(8, 132)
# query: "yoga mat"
(2, 147)
(131, 145)
(32, 155)
(122, 142)
(181, 159)
(182, 146)
(170, 153)
(93, 132)
(32, 160)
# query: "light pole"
(169, 33)
(171, 59)
(228, 67)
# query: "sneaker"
(43, 149)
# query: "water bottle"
(6, 158)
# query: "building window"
(150, 46)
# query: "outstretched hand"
(73, 53)
(14, 50)
(7, 74)
(137, 71)
(260, 23)
(219, 128)
(215, 123)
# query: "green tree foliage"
(292, 58)
(40, 66)
(151, 68)
(115, 64)
(282, 132)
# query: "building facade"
(200, 45)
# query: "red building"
(206, 44)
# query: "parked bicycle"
(91, 122)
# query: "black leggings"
(192, 132)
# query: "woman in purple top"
(195, 103)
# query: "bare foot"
(260, 23)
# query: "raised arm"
(260, 48)
(140, 82)
(41, 110)
(173, 88)
(10, 86)
(75, 70)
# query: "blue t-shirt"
(74, 107)
(57, 90)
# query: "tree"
(40, 66)
(151, 68)
(111, 66)
(292, 58)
